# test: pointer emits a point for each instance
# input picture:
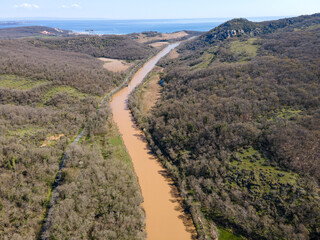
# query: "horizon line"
(137, 19)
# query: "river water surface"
(163, 213)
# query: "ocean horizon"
(127, 26)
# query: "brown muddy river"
(163, 213)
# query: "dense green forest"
(46, 97)
(238, 128)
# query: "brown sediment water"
(163, 212)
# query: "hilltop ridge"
(31, 31)
(241, 27)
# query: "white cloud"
(26, 5)
(71, 6)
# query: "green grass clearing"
(288, 113)
(206, 60)
(27, 131)
(246, 48)
(120, 150)
(18, 83)
(72, 92)
(284, 113)
(251, 159)
(225, 235)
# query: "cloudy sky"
(148, 9)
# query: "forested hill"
(111, 46)
(47, 96)
(244, 28)
(238, 127)
(31, 31)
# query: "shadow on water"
(184, 215)
(176, 198)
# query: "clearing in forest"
(115, 65)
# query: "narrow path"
(163, 213)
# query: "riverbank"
(164, 215)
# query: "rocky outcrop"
(243, 27)
(234, 28)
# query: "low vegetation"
(247, 48)
(18, 83)
(147, 94)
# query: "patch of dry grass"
(115, 65)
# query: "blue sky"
(162, 9)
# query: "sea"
(127, 26)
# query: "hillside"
(46, 97)
(244, 28)
(129, 47)
(237, 126)
(31, 31)
(50, 89)
(109, 46)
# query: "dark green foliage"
(241, 138)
